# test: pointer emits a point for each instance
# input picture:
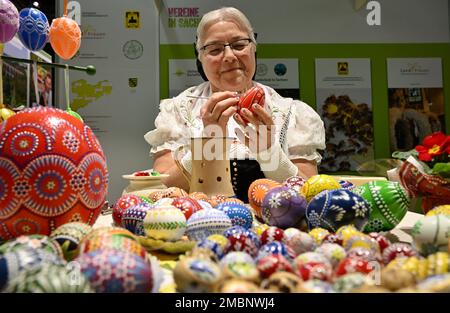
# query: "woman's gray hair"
(228, 14)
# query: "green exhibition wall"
(307, 53)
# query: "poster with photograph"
(344, 101)
(416, 100)
(44, 81)
(15, 75)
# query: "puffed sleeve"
(306, 133)
(170, 131)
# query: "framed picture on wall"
(414, 95)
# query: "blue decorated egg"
(276, 247)
(332, 209)
(204, 223)
(195, 274)
(115, 271)
(14, 262)
(211, 245)
(388, 204)
(133, 218)
(33, 28)
(283, 207)
(238, 213)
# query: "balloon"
(9, 20)
(52, 171)
(65, 37)
(33, 29)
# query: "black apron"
(243, 173)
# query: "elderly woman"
(288, 131)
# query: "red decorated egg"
(123, 203)
(382, 241)
(52, 171)
(315, 270)
(353, 265)
(272, 263)
(253, 95)
(187, 205)
(398, 249)
(240, 242)
(273, 234)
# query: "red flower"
(433, 145)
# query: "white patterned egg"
(431, 234)
(333, 252)
(299, 241)
(165, 223)
(204, 223)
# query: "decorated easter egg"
(193, 274)
(353, 265)
(398, 249)
(254, 95)
(219, 239)
(108, 231)
(198, 195)
(346, 184)
(273, 234)
(32, 241)
(9, 20)
(69, 237)
(215, 200)
(239, 214)
(50, 278)
(333, 238)
(441, 209)
(299, 241)
(309, 257)
(115, 271)
(295, 182)
(204, 223)
(33, 29)
(349, 282)
(187, 205)
(204, 204)
(133, 218)
(165, 223)
(213, 246)
(332, 209)
(318, 234)
(240, 242)
(236, 200)
(162, 202)
(317, 183)
(283, 207)
(333, 252)
(239, 264)
(123, 203)
(65, 37)
(388, 204)
(369, 255)
(251, 235)
(431, 234)
(276, 247)
(272, 263)
(315, 270)
(14, 262)
(121, 243)
(256, 192)
(281, 282)
(52, 171)
(382, 241)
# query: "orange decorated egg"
(258, 190)
(52, 171)
(65, 37)
(253, 95)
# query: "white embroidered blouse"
(301, 130)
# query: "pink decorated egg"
(52, 171)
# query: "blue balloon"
(33, 29)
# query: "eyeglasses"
(214, 49)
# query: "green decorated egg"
(50, 278)
(35, 241)
(388, 201)
(69, 237)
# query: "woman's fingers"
(262, 115)
(225, 116)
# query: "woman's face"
(230, 70)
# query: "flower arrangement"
(433, 154)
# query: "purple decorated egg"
(9, 20)
(276, 247)
(283, 207)
(115, 271)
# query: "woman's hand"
(216, 112)
(261, 136)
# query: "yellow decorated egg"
(441, 209)
(317, 183)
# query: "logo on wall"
(132, 82)
(132, 19)
(133, 49)
(280, 69)
(261, 69)
(342, 68)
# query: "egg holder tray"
(172, 247)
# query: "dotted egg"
(165, 223)
(317, 183)
(205, 223)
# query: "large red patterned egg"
(253, 95)
(52, 171)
